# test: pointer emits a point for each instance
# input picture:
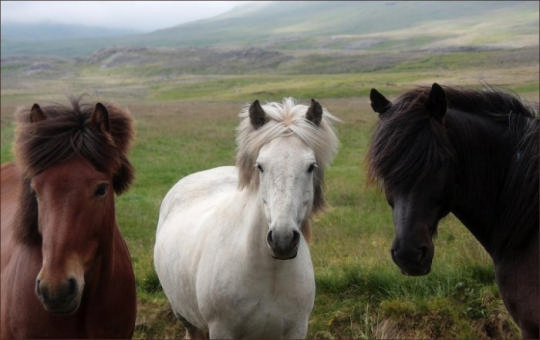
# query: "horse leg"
(518, 283)
(530, 331)
(192, 332)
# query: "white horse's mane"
(284, 119)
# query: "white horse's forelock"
(283, 119)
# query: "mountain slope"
(315, 20)
(327, 25)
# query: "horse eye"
(312, 167)
(101, 190)
(259, 167)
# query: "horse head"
(75, 212)
(411, 157)
(284, 163)
(73, 165)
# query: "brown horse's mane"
(63, 133)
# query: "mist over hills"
(49, 31)
(288, 37)
(303, 25)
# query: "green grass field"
(188, 124)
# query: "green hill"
(327, 25)
(279, 24)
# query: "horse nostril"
(422, 253)
(295, 238)
(72, 287)
(42, 291)
(269, 237)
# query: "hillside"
(321, 24)
(371, 26)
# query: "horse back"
(197, 187)
(10, 187)
(10, 180)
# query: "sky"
(142, 16)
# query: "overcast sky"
(139, 15)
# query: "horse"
(474, 153)
(231, 248)
(66, 270)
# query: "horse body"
(250, 283)
(66, 270)
(472, 161)
(233, 260)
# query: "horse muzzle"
(63, 297)
(412, 260)
(283, 245)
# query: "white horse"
(231, 248)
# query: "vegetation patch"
(186, 123)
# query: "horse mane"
(66, 132)
(423, 142)
(408, 143)
(285, 119)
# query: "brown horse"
(66, 270)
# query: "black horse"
(473, 153)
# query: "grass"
(187, 124)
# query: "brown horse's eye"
(101, 190)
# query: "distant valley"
(287, 38)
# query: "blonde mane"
(285, 119)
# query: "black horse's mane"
(409, 144)
(497, 104)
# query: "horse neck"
(483, 152)
(112, 261)
(103, 268)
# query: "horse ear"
(314, 113)
(100, 118)
(257, 116)
(36, 114)
(379, 103)
(436, 103)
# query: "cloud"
(138, 15)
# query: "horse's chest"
(256, 303)
(260, 317)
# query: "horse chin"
(416, 271)
(412, 268)
(59, 304)
(284, 257)
(67, 309)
